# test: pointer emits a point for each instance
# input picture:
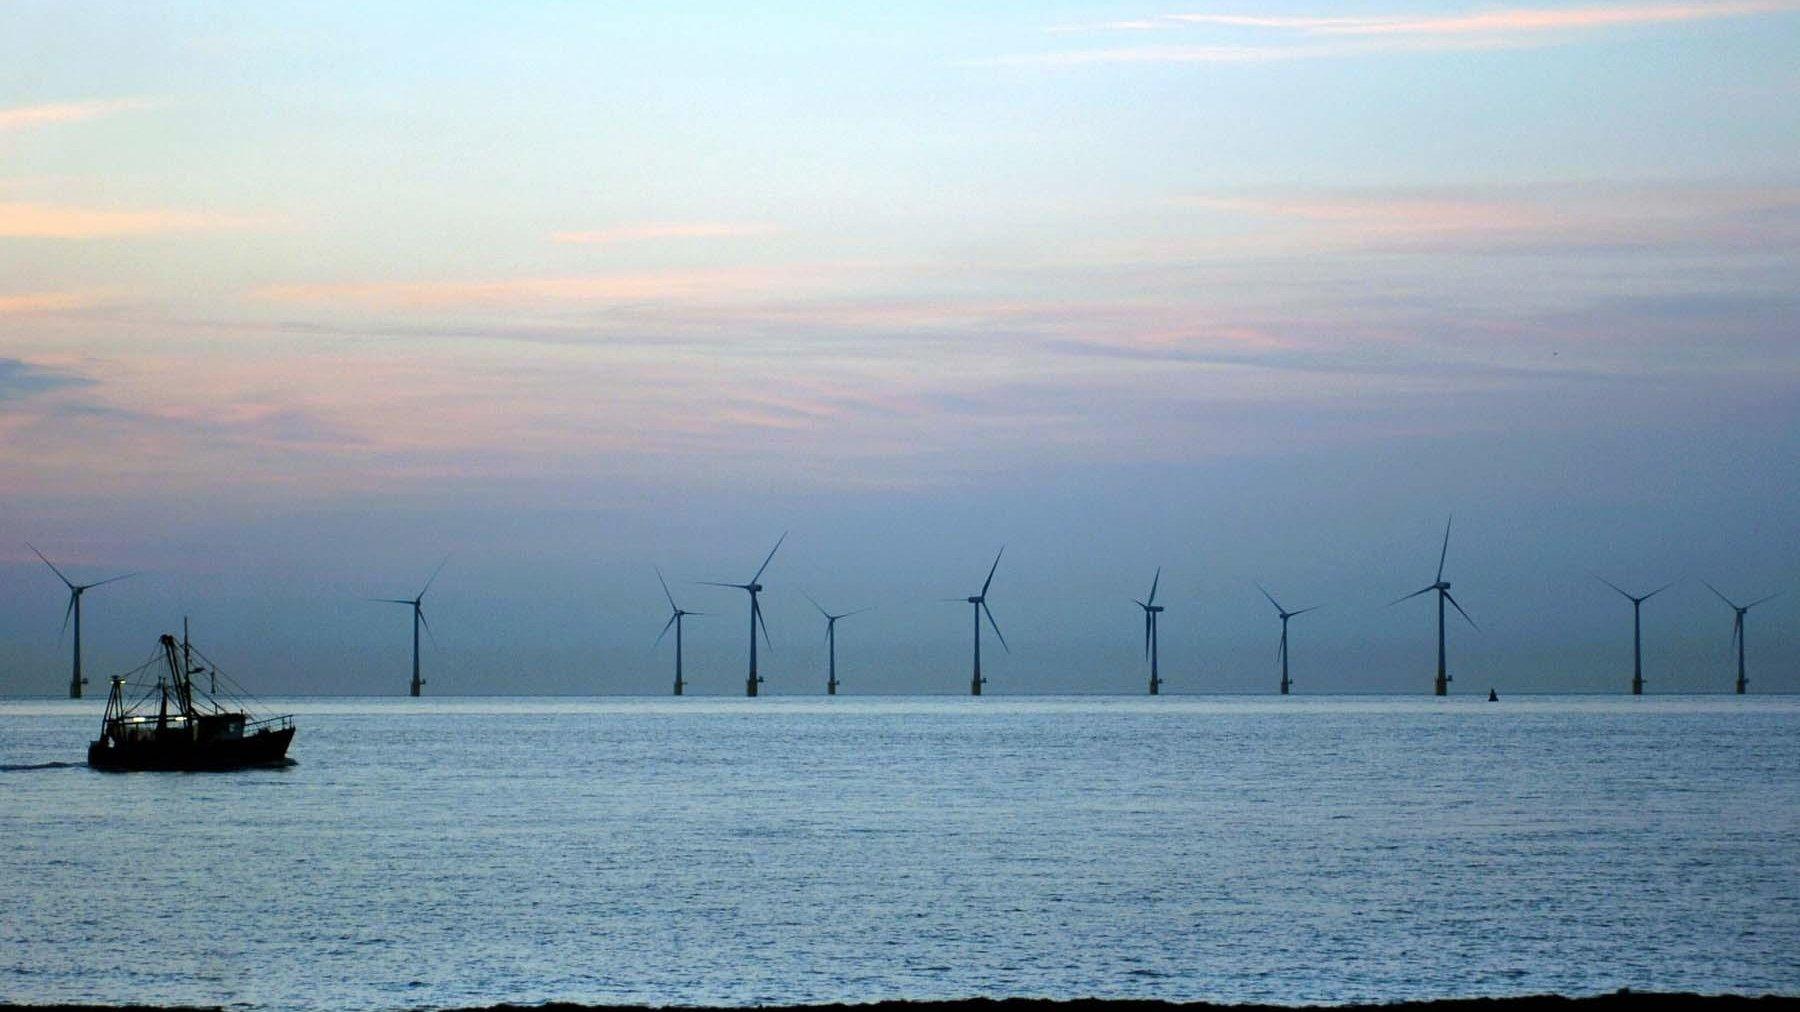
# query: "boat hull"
(264, 748)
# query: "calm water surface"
(428, 852)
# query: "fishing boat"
(175, 725)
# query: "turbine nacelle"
(753, 587)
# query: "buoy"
(1493, 697)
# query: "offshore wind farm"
(489, 495)
(981, 613)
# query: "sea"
(1307, 849)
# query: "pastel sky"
(298, 298)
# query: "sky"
(298, 300)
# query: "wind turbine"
(418, 615)
(1442, 586)
(1285, 615)
(979, 601)
(675, 617)
(1737, 630)
(76, 680)
(1151, 611)
(756, 618)
(1637, 630)
(831, 621)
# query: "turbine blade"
(115, 579)
(434, 575)
(1271, 597)
(665, 586)
(59, 573)
(990, 578)
(772, 551)
(1147, 614)
(1655, 592)
(387, 600)
(665, 630)
(1737, 630)
(1154, 581)
(1459, 609)
(1721, 596)
(996, 627)
(858, 611)
(1445, 554)
(1618, 588)
(756, 609)
(1303, 611)
(817, 605)
(736, 586)
(1412, 595)
(1747, 607)
(70, 610)
(427, 624)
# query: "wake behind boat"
(174, 725)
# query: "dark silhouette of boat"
(174, 725)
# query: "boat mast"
(178, 672)
(187, 664)
(115, 703)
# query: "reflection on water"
(1304, 849)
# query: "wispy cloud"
(663, 230)
(57, 221)
(1315, 37)
(22, 117)
(1496, 22)
(19, 378)
(1172, 54)
(621, 287)
(1749, 219)
(21, 303)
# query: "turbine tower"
(1637, 631)
(979, 601)
(1737, 630)
(1285, 615)
(1151, 611)
(756, 618)
(675, 617)
(831, 621)
(418, 616)
(1442, 686)
(76, 679)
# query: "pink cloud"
(21, 303)
(20, 117)
(662, 230)
(53, 221)
(1392, 215)
(623, 287)
(1535, 216)
(1166, 54)
(1499, 21)
(1363, 35)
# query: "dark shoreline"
(1621, 1001)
